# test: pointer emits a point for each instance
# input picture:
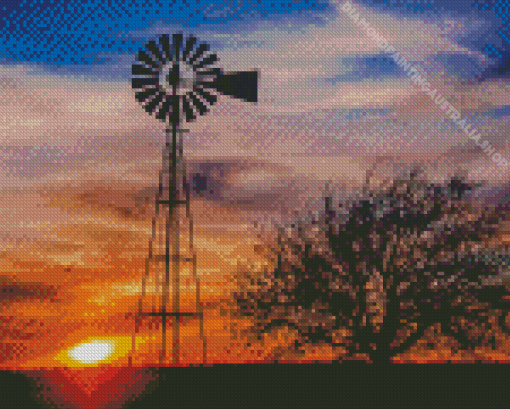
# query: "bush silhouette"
(401, 260)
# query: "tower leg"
(138, 316)
(172, 234)
(198, 304)
(176, 190)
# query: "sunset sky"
(79, 157)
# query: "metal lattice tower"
(171, 80)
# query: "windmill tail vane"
(173, 82)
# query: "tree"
(424, 242)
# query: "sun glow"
(92, 352)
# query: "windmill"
(171, 80)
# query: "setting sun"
(92, 352)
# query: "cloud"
(11, 290)
(244, 184)
(48, 111)
(460, 65)
(66, 137)
(376, 67)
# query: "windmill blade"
(242, 85)
(207, 61)
(142, 96)
(208, 97)
(151, 106)
(165, 107)
(145, 58)
(164, 41)
(177, 44)
(141, 82)
(142, 70)
(173, 75)
(202, 48)
(154, 49)
(202, 109)
(190, 115)
(190, 43)
(175, 117)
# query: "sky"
(79, 157)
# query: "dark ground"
(349, 385)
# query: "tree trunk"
(388, 331)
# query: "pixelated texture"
(187, 183)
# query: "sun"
(92, 352)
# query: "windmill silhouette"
(171, 80)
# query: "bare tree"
(421, 244)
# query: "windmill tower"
(170, 80)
